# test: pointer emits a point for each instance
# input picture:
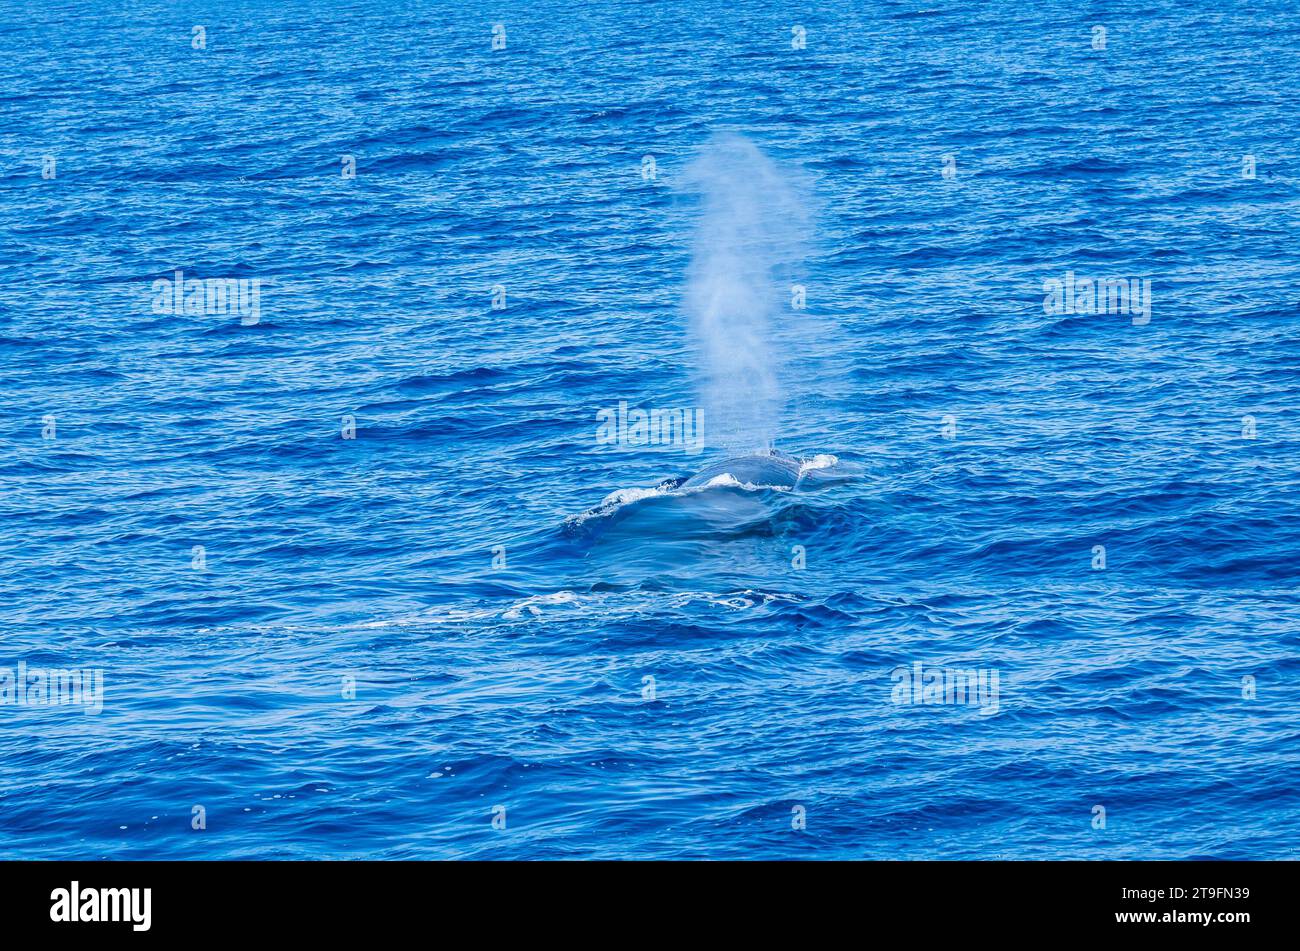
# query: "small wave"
(638, 603)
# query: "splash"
(753, 222)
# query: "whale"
(769, 469)
(730, 488)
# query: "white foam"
(628, 496)
(728, 481)
(823, 460)
(515, 612)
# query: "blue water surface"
(388, 642)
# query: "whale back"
(762, 469)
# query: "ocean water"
(330, 560)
